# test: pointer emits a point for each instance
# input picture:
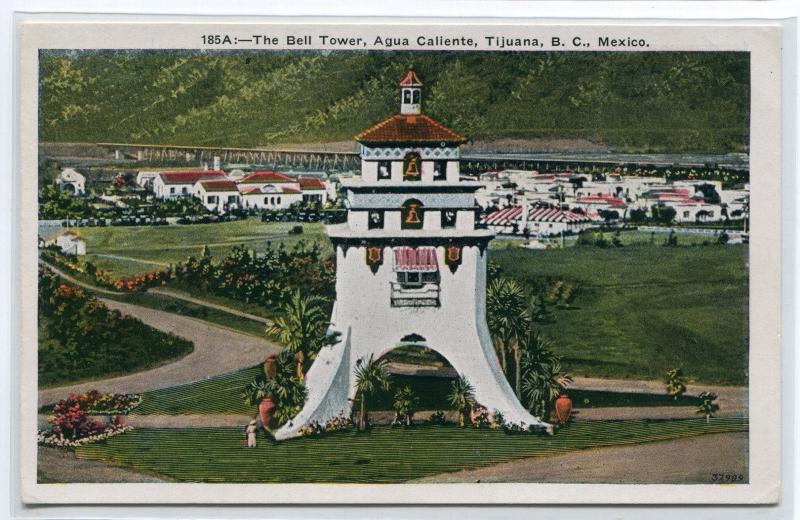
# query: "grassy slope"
(642, 310)
(172, 244)
(382, 456)
(631, 101)
(139, 348)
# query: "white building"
(218, 195)
(71, 181)
(176, 184)
(410, 264)
(269, 190)
(70, 243)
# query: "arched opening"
(420, 382)
(412, 214)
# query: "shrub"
(481, 418)
(296, 230)
(437, 418)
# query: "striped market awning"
(507, 216)
(415, 259)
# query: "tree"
(638, 215)
(663, 214)
(405, 402)
(303, 329)
(371, 376)
(707, 405)
(542, 376)
(506, 314)
(676, 383)
(286, 390)
(462, 398)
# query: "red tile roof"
(311, 183)
(190, 177)
(409, 128)
(225, 185)
(410, 79)
(266, 177)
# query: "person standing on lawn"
(251, 434)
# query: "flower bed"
(98, 403)
(49, 438)
(72, 426)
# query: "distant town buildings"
(600, 198)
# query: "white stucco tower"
(410, 265)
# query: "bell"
(412, 217)
(412, 169)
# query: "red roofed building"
(594, 203)
(267, 177)
(171, 185)
(218, 195)
(276, 190)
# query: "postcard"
(296, 261)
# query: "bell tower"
(410, 93)
(410, 262)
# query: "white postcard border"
(762, 39)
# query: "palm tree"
(286, 390)
(542, 377)
(303, 329)
(371, 376)
(462, 398)
(506, 314)
(405, 400)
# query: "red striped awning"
(415, 259)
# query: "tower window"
(384, 170)
(415, 94)
(375, 220)
(412, 215)
(448, 218)
(440, 170)
(407, 96)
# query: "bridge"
(473, 163)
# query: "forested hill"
(659, 102)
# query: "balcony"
(425, 295)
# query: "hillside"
(630, 102)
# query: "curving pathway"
(217, 350)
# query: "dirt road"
(682, 461)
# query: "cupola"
(410, 93)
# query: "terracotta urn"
(266, 410)
(271, 366)
(563, 408)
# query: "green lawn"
(166, 303)
(216, 395)
(172, 244)
(383, 455)
(641, 310)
